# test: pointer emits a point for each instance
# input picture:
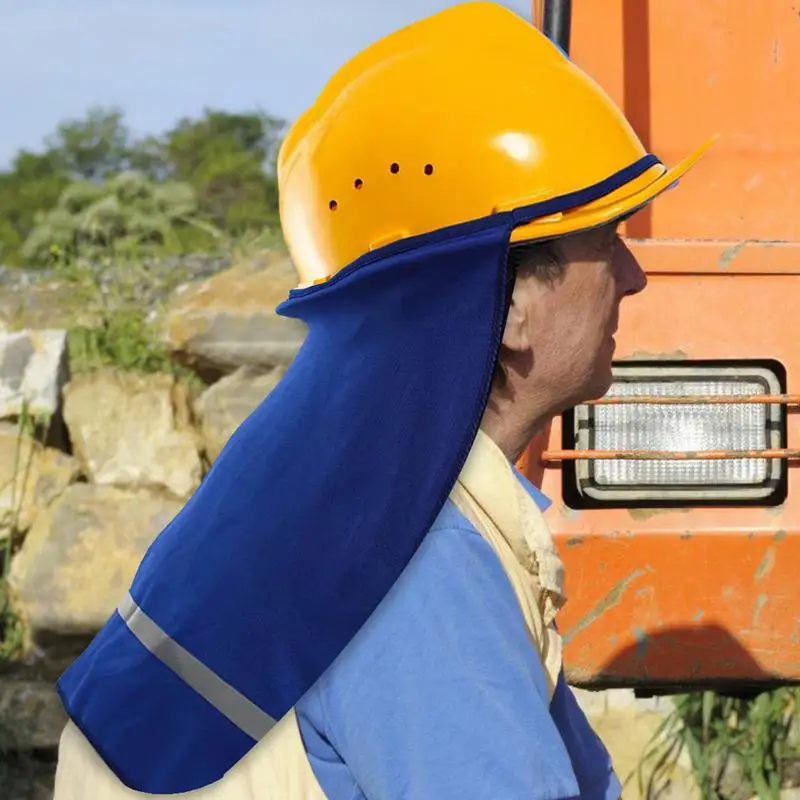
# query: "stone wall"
(111, 459)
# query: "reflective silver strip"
(244, 714)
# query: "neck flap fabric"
(306, 519)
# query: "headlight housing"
(654, 426)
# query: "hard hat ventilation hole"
(358, 183)
(333, 205)
(395, 168)
(429, 169)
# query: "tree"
(228, 159)
(92, 148)
(148, 156)
(34, 182)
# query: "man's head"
(424, 131)
(558, 342)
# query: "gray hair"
(539, 260)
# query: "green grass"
(110, 297)
(724, 736)
(11, 628)
(123, 340)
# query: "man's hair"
(539, 260)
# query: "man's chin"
(599, 386)
(594, 387)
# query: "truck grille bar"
(788, 454)
(713, 400)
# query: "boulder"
(33, 369)
(229, 321)
(49, 304)
(27, 776)
(133, 431)
(225, 405)
(31, 477)
(31, 715)
(81, 554)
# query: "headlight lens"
(681, 428)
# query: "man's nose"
(631, 278)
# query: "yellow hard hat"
(464, 114)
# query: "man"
(360, 600)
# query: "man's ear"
(516, 336)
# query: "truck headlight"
(681, 428)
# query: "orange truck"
(677, 496)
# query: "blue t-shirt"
(441, 694)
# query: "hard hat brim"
(622, 202)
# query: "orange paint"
(688, 596)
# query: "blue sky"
(163, 59)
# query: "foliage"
(228, 159)
(34, 182)
(206, 180)
(127, 214)
(122, 340)
(114, 291)
(750, 738)
(92, 148)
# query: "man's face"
(568, 324)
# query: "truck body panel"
(686, 595)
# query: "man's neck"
(510, 426)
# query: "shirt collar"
(514, 506)
(543, 502)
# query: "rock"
(225, 405)
(133, 431)
(229, 321)
(791, 774)
(45, 305)
(733, 782)
(31, 715)
(31, 477)
(33, 368)
(81, 554)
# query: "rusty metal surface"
(676, 607)
(689, 257)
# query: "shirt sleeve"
(441, 694)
